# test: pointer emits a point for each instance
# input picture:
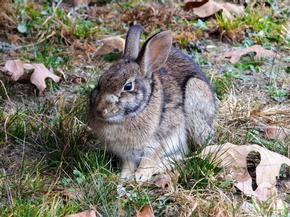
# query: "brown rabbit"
(149, 104)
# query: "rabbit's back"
(187, 91)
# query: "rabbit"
(148, 105)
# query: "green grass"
(197, 173)
(60, 138)
(278, 146)
(36, 194)
(223, 83)
(260, 25)
(248, 63)
(61, 167)
(275, 87)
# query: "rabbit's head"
(125, 88)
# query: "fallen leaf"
(189, 4)
(14, 68)
(208, 8)
(234, 159)
(111, 44)
(88, 213)
(86, 47)
(275, 132)
(147, 211)
(40, 74)
(259, 51)
(28, 66)
(235, 35)
(163, 181)
(167, 181)
(14, 38)
(78, 80)
(78, 3)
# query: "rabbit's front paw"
(127, 175)
(143, 175)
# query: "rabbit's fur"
(148, 125)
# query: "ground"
(52, 165)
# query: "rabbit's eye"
(129, 86)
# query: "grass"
(51, 165)
(274, 89)
(259, 25)
(57, 137)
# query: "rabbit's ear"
(132, 42)
(154, 52)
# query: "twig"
(36, 43)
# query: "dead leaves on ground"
(40, 74)
(106, 46)
(273, 121)
(15, 69)
(207, 8)
(79, 3)
(276, 132)
(110, 44)
(163, 17)
(234, 159)
(147, 211)
(167, 181)
(88, 213)
(85, 47)
(260, 52)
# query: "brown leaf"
(235, 35)
(275, 132)
(88, 213)
(111, 44)
(260, 52)
(208, 8)
(166, 181)
(78, 3)
(189, 4)
(40, 74)
(28, 66)
(234, 159)
(78, 80)
(147, 211)
(14, 39)
(14, 68)
(86, 47)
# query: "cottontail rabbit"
(149, 104)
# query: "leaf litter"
(16, 69)
(207, 8)
(109, 45)
(260, 52)
(234, 159)
(88, 213)
(146, 211)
